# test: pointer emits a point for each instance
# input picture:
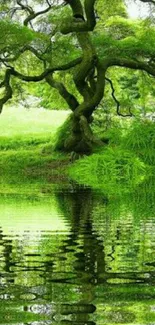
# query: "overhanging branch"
(24, 7)
(148, 1)
(12, 72)
(36, 14)
(29, 48)
(32, 14)
(68, 97)
(131, 64)
(45, 73)
(116, 100)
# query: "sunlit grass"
(125, 162)
(21, 127)
(111, 169)
(24, 132)
(21, 121)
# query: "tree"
(69, 37)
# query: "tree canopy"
(83, 39)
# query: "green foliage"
(49, 97)
(140, 138)
(136, 136)
(63, 49)
(62, 134)
(106, 9)
(125, 38)
(128, 159)
(108, 129)
(131, 84)
(112, 169)
(134, 91)
(120, 27)
(114, 134)
(13, 36)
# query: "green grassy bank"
(125, 162)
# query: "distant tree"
(45, 39)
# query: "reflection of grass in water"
(34, 225)
(137, 202)
(27, 170)
(115, 303)
(125, 304)
(13, 316)
(33, 213)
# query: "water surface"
(77, 257)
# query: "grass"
(140, 139)
(21, 127)
(23, 135)
(126, 162)
(112, 170)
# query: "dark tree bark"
(81, 139)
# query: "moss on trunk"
(76, 135)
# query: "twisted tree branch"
(116, 100)
(12, 72)
(8, 89)
(80, 25)
(32, 15)
(35, 14)
(148, 1)
(87, 107)
(69, 98)
(23, 7)
(46, 72)
(131, 64)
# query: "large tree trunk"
(80, 139)
(76, 136)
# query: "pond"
(73, 256)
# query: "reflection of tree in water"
(90, 261)
(75, 267)
(88, 251)
(7, 259)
